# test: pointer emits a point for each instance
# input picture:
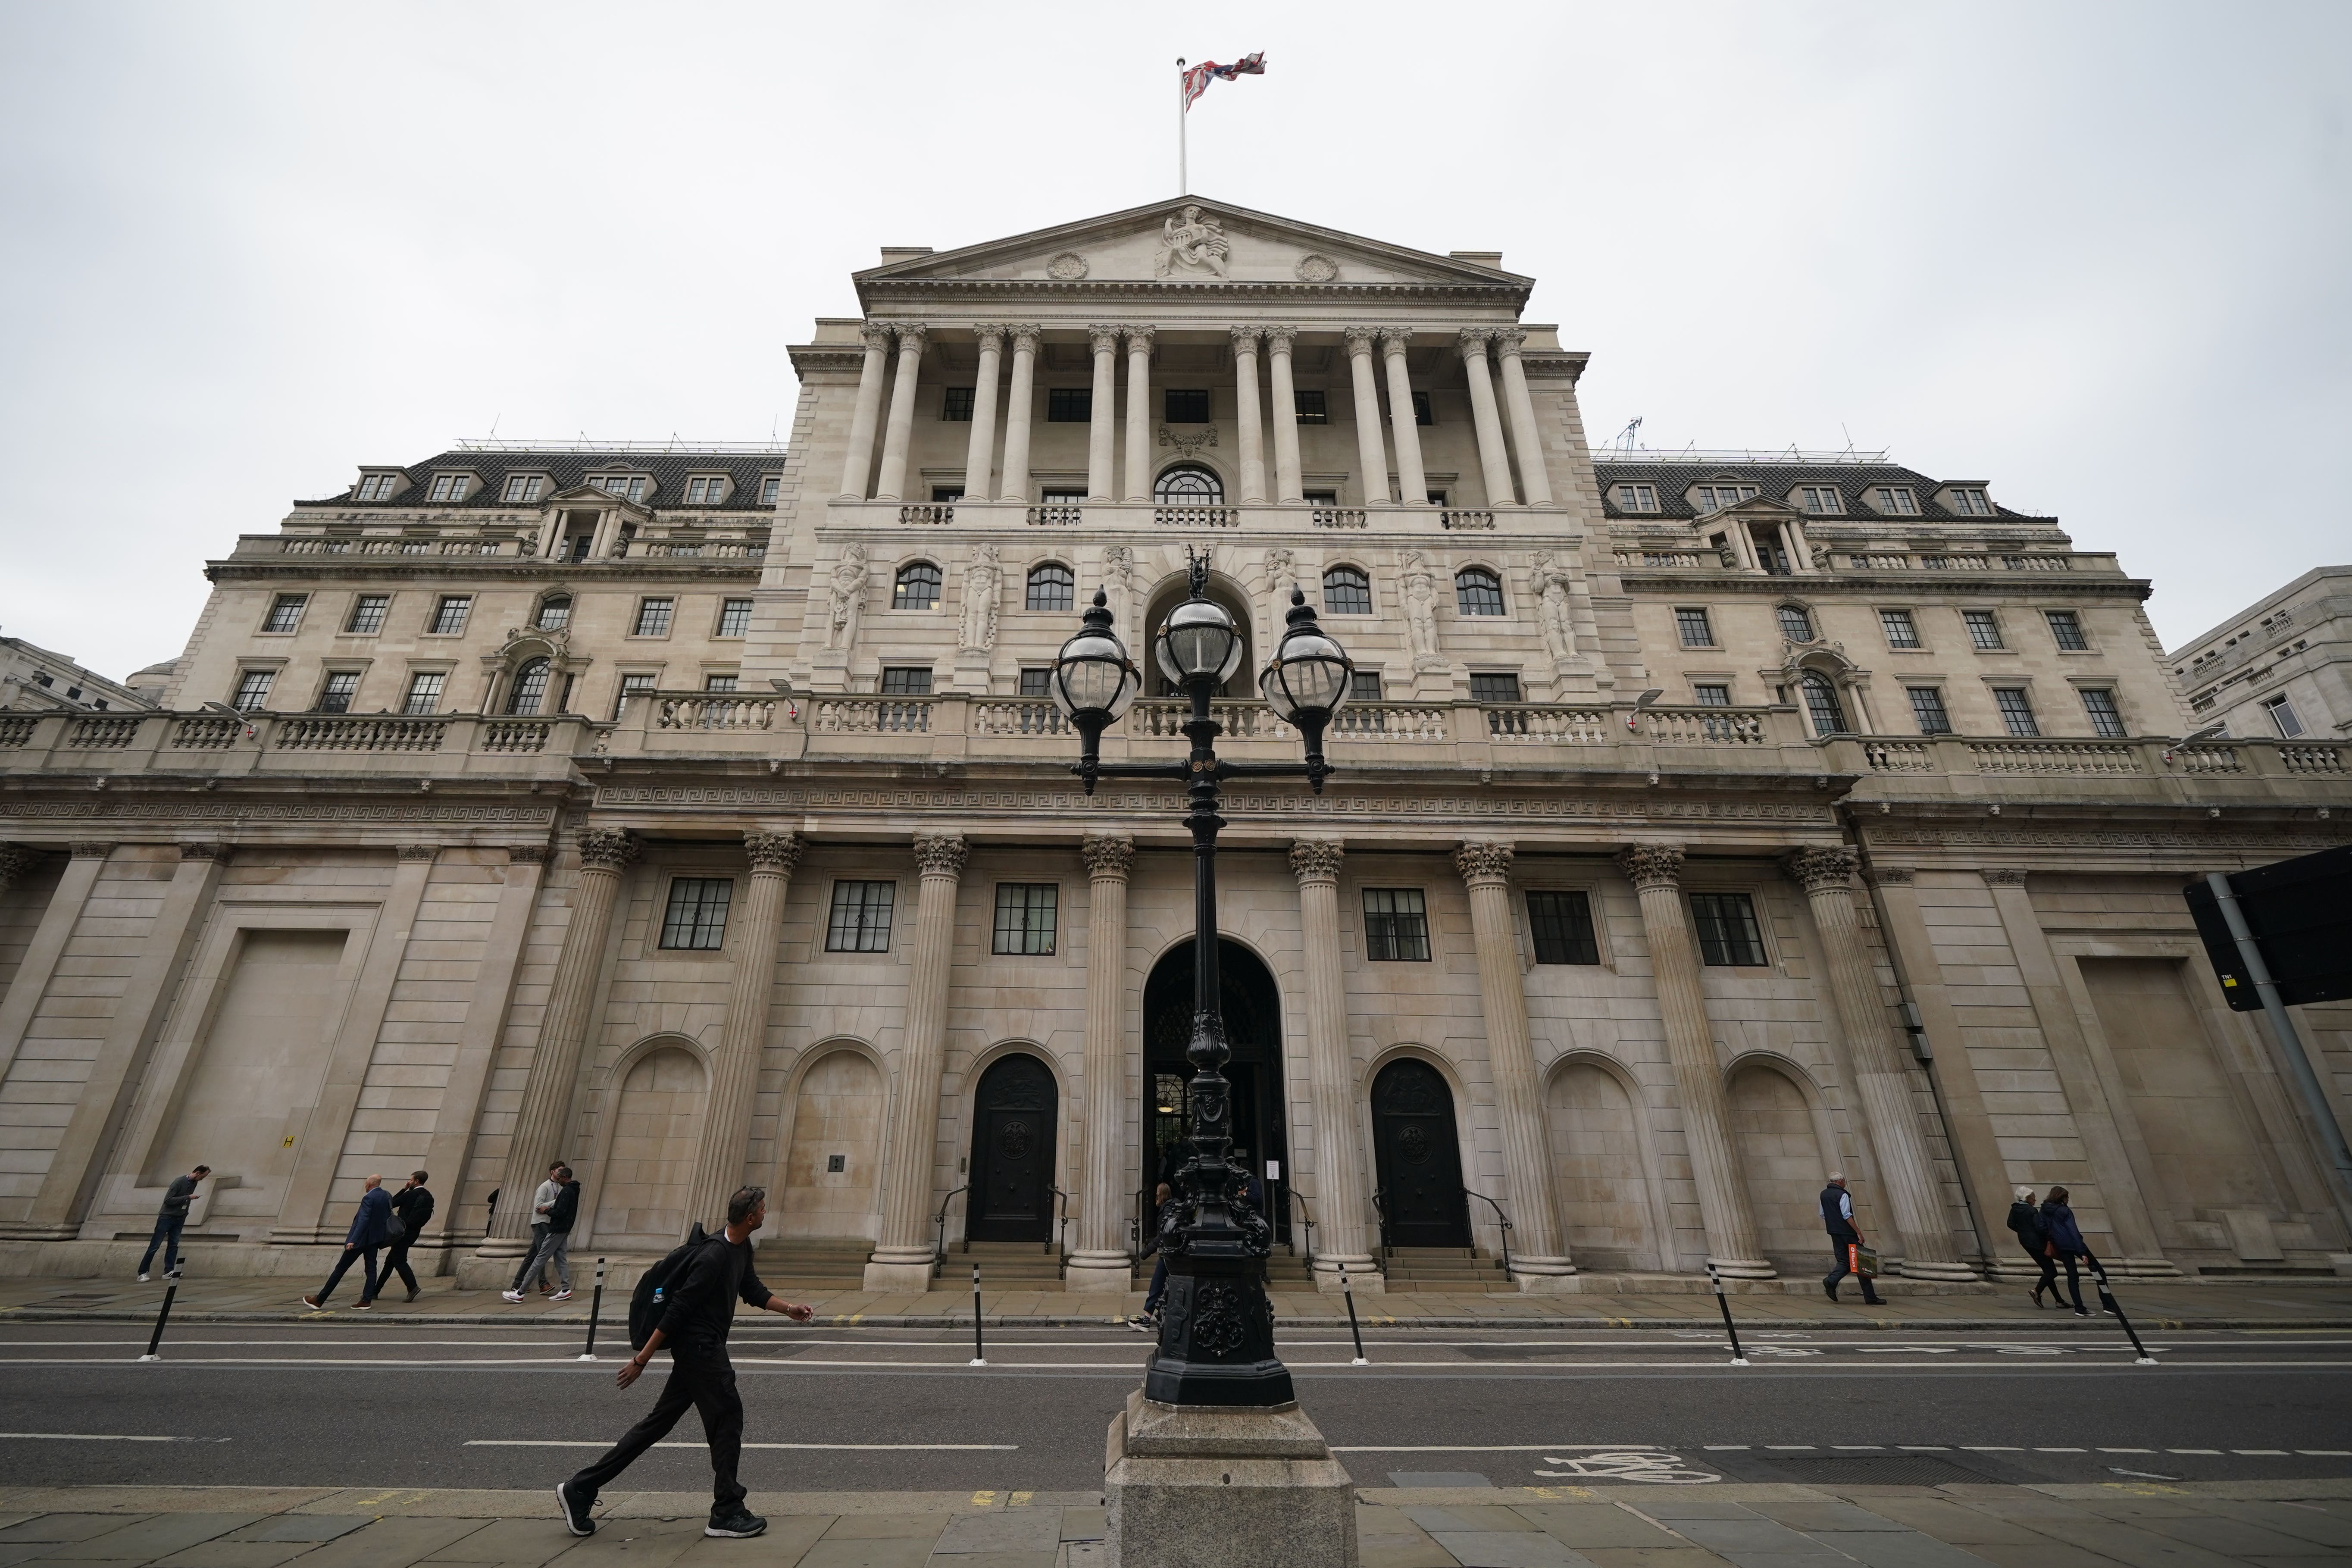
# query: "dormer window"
(705, 491)
(770, 487)
(522, 488)
(449, 487)
(628, 487)
(1714, 498)
(1637, 498)
(1821, 500)
(1969, 502)
(1897, 500)
(375, 486)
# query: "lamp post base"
(1216, 1486)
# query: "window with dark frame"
(1037, 682)
(1984, 631)
(554, 614)
(1561, 925)
(1069, 405)
(1052, 586)
(367, 614)
(448, 488)
(1796, 623)
(640, 685)
(955, 405)
(424, 694)
(1396, 926)
(916, 587)
(2016, 712)
(720, 685)
(1313, 407)
(374, 486)
(1711, 694)
(860, 920)
(1185, 405)
(449, 615)
(1347, 591)
(2282, 714)
(905, 680)
(1900, 631)
(1477, 591)
(335, 696)
(1637, 498)
(654, 616)
(1493, 688)
(252, 689)
(525, 487)
(2066, 629)
(1927, 707)
(1823, 500)
(1422, 413)
(1691, 623)
(1364, 686)
(1025, 914)
(529, 688)
(770, 487)
(2106, 719)
(1729, 937)
(696, 920)
(734, 618)
(1822, 705)
(285, 613)
(946, 495)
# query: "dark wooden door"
(1013, 1122)
(1419, 1159)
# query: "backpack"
(650, 1299)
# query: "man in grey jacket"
(553, 1239)
(169, 1222)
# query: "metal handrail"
(940, 1255)
(1065, 1270)
(1381, 1207)
(1291, 1193)
(1505, 1220)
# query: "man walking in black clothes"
(1837, 1219)
(700, 1311)
(169, 1221)
(412, 1207)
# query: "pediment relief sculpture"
(1192, 240)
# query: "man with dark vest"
(1837, 1219)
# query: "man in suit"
(371, 1228)
(413, 1205)
(1837, 1219)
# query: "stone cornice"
(902, 290)
(395, 568)
(1674, 580)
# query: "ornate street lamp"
(1216, 1328)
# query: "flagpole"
(1183, 175)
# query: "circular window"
(1189, 484)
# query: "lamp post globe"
(1198, 642)
(1306, 680)
(1094, 682)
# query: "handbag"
(392, 1229)
(1863, 1260)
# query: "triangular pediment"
(1191, 241)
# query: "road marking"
(1791, 1448)
(1484, 1448)
(2058, 1451)
(2327, 1453)
(1989, 1448)
(2127, 1450)
(2270, 1453)
(1725, 1447)
(1924, 1448)
(1859, 1447)
(2193, 1450)
(1644, 1464)
(820, 1448)
(99, 1437)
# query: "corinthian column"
(1655, 871)
(858, 465)
(1019, 399)
(892, 485)
(1404, 425)
(735, 1075)
(980, 452)
(544, 1119)
(1139, 416)
(1903, 1165)
(1101, 1262)
(1370, 454)
(1286, 415)
(1527, 440)
(903, 1260)
(1486, 869)
(1248, 413)
(1493, 462)
(1099, 481)
(1339, 1163)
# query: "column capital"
(1246, 339)
(1139, 337)
(527, 855)
(1483, 860)
(1109, 856)
(912, 336)
(772, 854)
(1889, 876)
(1104, 339)
(1508, 340)
(418, 852)
(2004, 879)
(1317, 860)
(16, 860)
(208, 850)
(877, 335)
(608, 849)
(1474, 340)
(1025, 335)
(1360, 340)
(1396, 340)
(941, 854)
(90, 848)
(989, 337)
(1651, 865)
(1279, 339)
(1816, 869)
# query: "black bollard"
(595, 1309)
(978, 1348)
(2107, 1302)
(1724, 1304)
(1353, 1326)
(155, 1340)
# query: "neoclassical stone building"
(1705, 822)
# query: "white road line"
(2327, 1453)
(97, 1437)
(1989, 1448)
(2193, 1450)
(1492, 1448)
(2058, 1451)
(2127, 1450)
(1925, 1447)
(820, 1448)
(2270, 1453)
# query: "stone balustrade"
(1251, 517)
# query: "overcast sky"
(2095, 255)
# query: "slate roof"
(1777, 481)
(569, 469)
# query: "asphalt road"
(888, 1409)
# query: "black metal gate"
(1014, 1133)
(1419, 1157)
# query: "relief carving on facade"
(848, 599)
(1188, 443)
(16, 861)
(772, 854)
(1190, 239)
(608, 849)
(1119, 584)
(1107, 856)
(1817, 868)
(1555, 608)
(527, 855)
(425, 852)
(1066, 268)
(208, 850)
(1317, 860)
(1313, 268)
(983, 586)
(1650, 866)
(1281, 572)
(1483, 860)
(941, 854)
(1421, 613)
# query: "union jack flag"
(1198, 78)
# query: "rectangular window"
(1422, 413)
(367, 614)
(1693, 624)
(341, 685)
(525, 487)
(1900, 631)
(1186, 404)
(1971, 503)
(1901, 502)
(1494, 688)
(1727, 936)
(1821, 501)
(1364, 686)
(1561, 924)
(285, 613)
(955, 405)
(2282, 714)
(1024, 918)
(629, 485)
(448, 487)
(2066, 627)
(1984, 631)
(423, 692)
(632, 686)
(1637, 498)
(449, 615)
(1927, 707)
(769, 489)
(252, 689)
(375, 486)
(1069, 405)
(1036, 682)
(1714, 498)
(2016, 711)
(705, 491)
(1709, 695)
(734, 618)
(860, 921)
(1396, 926)
(719, 683)
(696, 920)
(1320, 497)
(1312, 407)
(653, 617)
(905, 680)
(2106, 719)
(946, 495)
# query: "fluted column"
(1101, 1262)
(1370, 454)
(1885, 1089)
(1541, 1261)
(1020, 401)
(1102, 414)
(735, 1074)
(1655, 871)
(1139, 416)
(1286, 415)
(1338, 1157)
(903, 1260)
(1405, 426)
(892, 485)
(858, 465)
(1527, 440)
(1493, 462)
(544, 1122)
(980, 452)
(1249, 414)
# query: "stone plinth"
(1115, 1274)
(1201, 1487)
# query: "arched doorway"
(1780, 1154)
(656, 1122)
(834, 1165)
(1418, 1157)
(1014, 1125)
(1253, 1008)
(1236, 605)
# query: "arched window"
(916, 587)
(1477, 591)
(1796, 623)
(529, 688)
(1189, 484)
(554, 614)
(1052, 586)
(1821, 704)
(1347, 591)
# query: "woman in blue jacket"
(2062, 1240)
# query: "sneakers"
(1142, 1323)
(143, 1279)
(168, 1274)
(413, 1294)
(739, 1522)
(312, 1302)
(561, 1296)
(364, 1307)
(510, 1296)
(575, 1515)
